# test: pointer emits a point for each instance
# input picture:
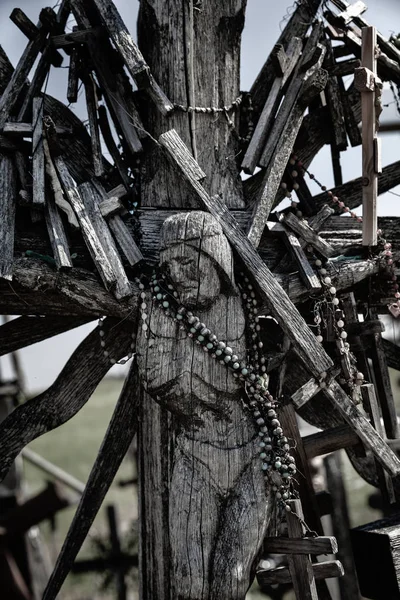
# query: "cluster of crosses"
(77, 231)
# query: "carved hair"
(201, 231)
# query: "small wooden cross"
(368, 83)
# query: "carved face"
(193, 275)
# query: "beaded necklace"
(277, 463)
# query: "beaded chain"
(106, 353)
(354, 378)
(386, 254)
(276, 462)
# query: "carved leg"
(193, 522)
(242, 531)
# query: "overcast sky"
(264, 20)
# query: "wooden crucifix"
(368, 83)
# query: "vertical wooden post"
(300, 565)
(366, 83)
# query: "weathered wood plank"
(19, 129)
(38, 168)
(41, 289)
(119, 435)
(103, 239)
(369, 132)
(301, 545)
(118, 227)
(8, 204)
(297, 26)
(300, 566)
(24, 331)
(329, 440)
(271, 105)
(73, 75)
(24, 24)
(66, 396)
(283, 135)
(311, 279)
(91, 107)
(112, 147)
(78, 36)
(131, 54)
(368, 435)
(307, 233)
(348, 584)
(19, 76)
(321, 570)
(57, 235)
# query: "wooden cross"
(368, 83)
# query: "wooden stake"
(365, 80)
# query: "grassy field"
(74, 447)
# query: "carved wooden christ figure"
(218, 505)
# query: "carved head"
(198, 257)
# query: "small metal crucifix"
(370, 86)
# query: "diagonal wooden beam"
(119, 435)
(24, 331)
(351, 192)
(67, 395)
(281, 306)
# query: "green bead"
(278, 465)
(210, 346)
(179, 317)
(227, 358)
(165, 304)
(235, 365)
(159, 296)
(201, 338)
(245, 371)
(218, 352)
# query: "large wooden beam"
(24, 331)
(8, 205)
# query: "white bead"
(335, 301)
(318, 263)
(320, 338)
(340, 323)
(332, 290)
(323, 271)
(360, 375)
(327, 280)
(343, 335)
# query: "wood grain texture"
(217, 502)
(57, 235)
(308, 234)
(329, 440)
(91, 201)
(24, 331)
(8, 204)
(66, 396)
(131, 54)
(38, 288)
(119, 435)
(38, 165)
(91, 107)
(216, 45)
(300, 566)
(301, 545)
(321, 570)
